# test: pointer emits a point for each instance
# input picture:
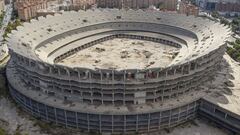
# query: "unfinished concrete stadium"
(117, 71)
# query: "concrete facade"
(170, 5)
(2, 4)
(110, 100)
(188, 9)
(225, 7)
(81, 4)
(27, 9)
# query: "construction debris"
(99, 50)
(147, 54)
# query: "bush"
(236, 46)
(224, 21)
(12, 26)
(237, 41)
(230, 51)
(231, 43)
(234, 52)
(238, 59)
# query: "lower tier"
(105, 123)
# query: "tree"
(236, 22)
(160, 5)
(215, 14)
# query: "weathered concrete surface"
(14, 120)
(196, 127)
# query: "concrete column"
(182, 69)
(187, 111)
(76, 116)
(58, 72)
(148, 121)
(132, 5)
(88, 122)
(189, 67)
(112, 75)
(79, 76)
(31, 106)
(107, 75)
(67, 71)
(46, 112)
(177, 89)
(195, 105)
(37, 108)
(170, 116)
(101, 76)
(195, 66)
(55, 114)
(163, 90)
(65, 116)
(125, 124)
(137, 123)
(137, 6)
(226, 115)
(179, 110)
(28, 62)
(124, 87)
(90, 78)
(159, 121)
(100, 123)
(155, 96)
(112, 124)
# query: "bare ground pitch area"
(123, 54)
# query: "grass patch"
(2, 131)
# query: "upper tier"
(54, 38)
